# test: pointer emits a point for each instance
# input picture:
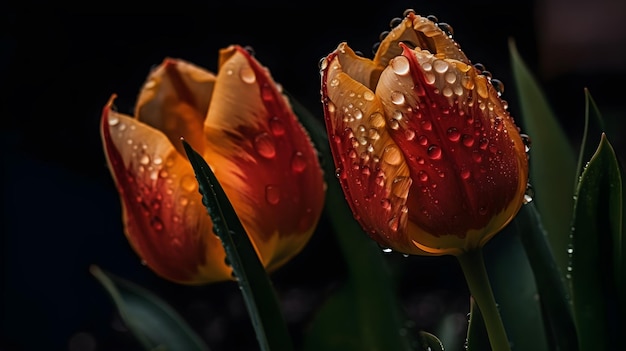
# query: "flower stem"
(473, 266)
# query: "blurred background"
(59, 64)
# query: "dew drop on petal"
(397, 97)
(368, 95)
(467, 140)
(113, 120)
(272, 194)
(409, 134)
(422, 175)
(440, 66)
(400, 65)
(434, 152)
(298, 163)
(453, 134)
(264, 145)
(156, 223)
(144, 160)
(247, 75)
(188, 183)
(392, 155)
(276, 126)
(465, 173)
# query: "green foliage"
(153, 322)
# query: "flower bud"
(244, 127)
(430, 160)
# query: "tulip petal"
(164, 218)
(263, 158)
(371, 168)
(175, 99)
(466, 154)
(420, 33)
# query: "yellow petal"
(418, 32)
(175, 99)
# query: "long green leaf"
(552, 159)
(597, 225)
(152, 321)
(369, 296)
(594, 127)
(255, 285)
(551, 285)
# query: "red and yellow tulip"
(430, 160)
(245, 129)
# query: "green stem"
(473, 266)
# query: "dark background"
(59, 64)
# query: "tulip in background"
(244, 127)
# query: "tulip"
(244, 127)
(430, 160)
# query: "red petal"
(263, 158)
(464, 152)
(164, 218)
(371, 167)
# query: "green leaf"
(153, 322)
(594, 127)
(429, 342)
(368, 303)
(552, 159)
(256, 287)
(551, 284)
(597, 258)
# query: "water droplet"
(440, 66)
(482, 210)
(467, 140)
(113, 120)
(477, 156)
(298, 163)
(386, 250)
(272, 194)
(247, 75)
(156, 223)
(465, 173)
(264, 145)
(397, 98)
(385, 203)
(189, 183)
(426, 125)
(422, 175)
(526, 141)
(394, 223)
(276, 126)
(144, 160)
(528, 194)
(434, 152)
(368, 95)
(392, 155)
(450, 77)
(422, 140)
(400, 65)
(453, 134)
(409, 134)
